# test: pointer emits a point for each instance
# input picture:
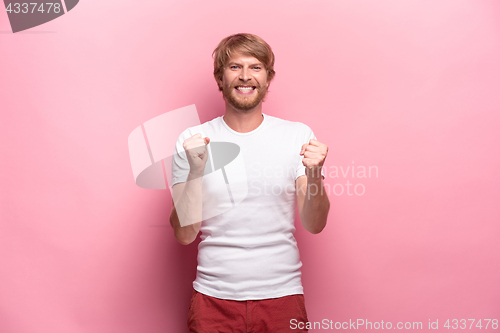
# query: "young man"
(248, 277)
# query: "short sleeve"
(306, 134)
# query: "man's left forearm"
(316, 205)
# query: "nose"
(245, 74)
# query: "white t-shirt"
(249, 252)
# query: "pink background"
(411, 87)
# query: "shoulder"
(296, 126)
(204, 129)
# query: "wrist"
(313, 174)
(193, 174)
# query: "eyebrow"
(236, 63)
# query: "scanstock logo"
(31, 13)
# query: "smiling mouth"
(245, 88)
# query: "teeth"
(244, 88)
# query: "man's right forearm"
(187, 209)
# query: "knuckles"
(193, 142)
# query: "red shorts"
(213, 315)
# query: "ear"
(219, 84)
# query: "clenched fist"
(314, 156)
(196, 152)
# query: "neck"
(243, 121)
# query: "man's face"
(244, 82)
